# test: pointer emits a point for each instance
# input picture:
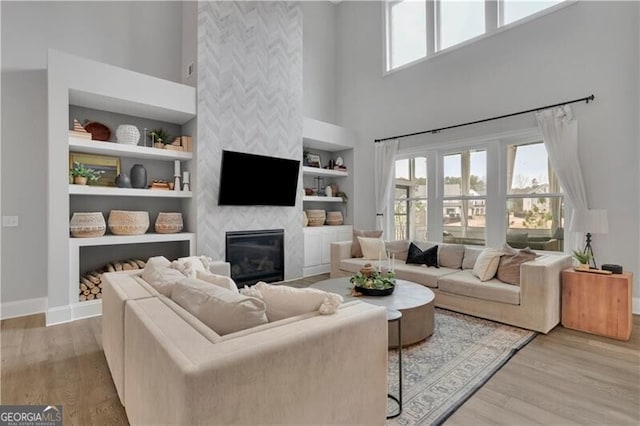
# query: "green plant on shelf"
(79, 170)
(583, 257)
(159, 136)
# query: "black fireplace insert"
(256, 256)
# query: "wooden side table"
(597, 304)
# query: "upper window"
(419, 28)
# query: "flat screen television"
(257, 180)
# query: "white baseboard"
(59, 315)
(315, 270)
(87, 309)
(636, 305)
(23, 308)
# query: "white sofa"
(169, 368)
(534, 304)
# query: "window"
(419, 28)
(410, 200)
(535, 208)
(464, 197)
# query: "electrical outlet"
(10, 221)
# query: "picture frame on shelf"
(314, 160)
(110, 166)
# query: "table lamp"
(592, 222)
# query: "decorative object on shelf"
(127, 134)
(370, 282)
(314, 160)
(79, 131)
(185, 181)
(161, 184)
(334, 218)
(99, 131)
(328, 191)
(176, 175)
(87, 225)
(308, 191)
(175, 145)
(187, 143)
(122, 222)
(145, 136)
(583, 257)
(169, 223)
(343, 196)
(614, 269)
(316, 217)
(83, 174)
(91, 282)
(158, 138)
(339, 162)
(123, 181)
(138, 176)
(305, 219)
(107, 165)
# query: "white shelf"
(109, 240)
(326, 136)
(126, 192)
(322, 199)
(89, 146)
(315, 171)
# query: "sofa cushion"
(487, 264)
(420, 274)
(450, 255)
(397, 249)
(283, 301)
(509, 266)
(356, 250)
(219, 280)
(428, 257)
(470, 256)
(159, 274)
(466, 284)
(372, 248)
(220, 309)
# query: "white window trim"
(490, 30)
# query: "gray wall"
(584, 48)
(249, 100)
(142, 36)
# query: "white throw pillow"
(219, 280)
(372, 248)
(159, 274)
(220, 309)
(283, 301)
(487, 263)
(189, 266)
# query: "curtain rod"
(586, 99)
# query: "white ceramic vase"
(128, 134)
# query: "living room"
(572, 50)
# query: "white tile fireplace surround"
(255, 256)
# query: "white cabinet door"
(312, 247)
(328, 236)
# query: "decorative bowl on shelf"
(87, 225)
(334, 218)
(169, 223)
(316, 217)
(123, 222)
(128, 134)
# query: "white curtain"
(560, 134)
(385, 152)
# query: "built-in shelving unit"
(315, 171)
(103, 92)
(321, 199)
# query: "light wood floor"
(565, 377)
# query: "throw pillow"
(189, 266)
(356, 250)
(220, 280)
(159, 274)
(220, 309)
(470, 257)
(451, 255)
(487, 264)
(372, 248)
(283, 301)
(398, 249)
(509, 266)
(427, 257)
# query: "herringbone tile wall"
(249, 100)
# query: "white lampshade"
(592, 221)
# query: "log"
(100, 285)
(86, 292)
(95, 290)
(117, 266)
(83, 287)
(88, 283)
(133, 264)
(82, 298)
(109, 267)
(141, 263)
(93, 277)
(99, 296)
(91, 296)
(126, 266)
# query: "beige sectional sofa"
(533, 304)
(169, 368)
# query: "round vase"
(123, 222)
(80, 180)
(123, 181)
(86, 225)
(169, 223)
(138, 176)
(128, 134)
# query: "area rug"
(442, 372)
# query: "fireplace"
(256, 256)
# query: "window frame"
(494, 17)
(407, 183)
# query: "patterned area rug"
(442, 372)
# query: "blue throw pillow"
(427, 257)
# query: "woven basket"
(87, 225)
(169, 223)
(128, 134)
(122, 222)
(316, 217)
(334, 218)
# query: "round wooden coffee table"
(415, 301)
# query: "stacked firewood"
(91, 282)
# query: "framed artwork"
(314, 160)
(109, 165)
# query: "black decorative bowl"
(375, 291)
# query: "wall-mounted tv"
(257, 180)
